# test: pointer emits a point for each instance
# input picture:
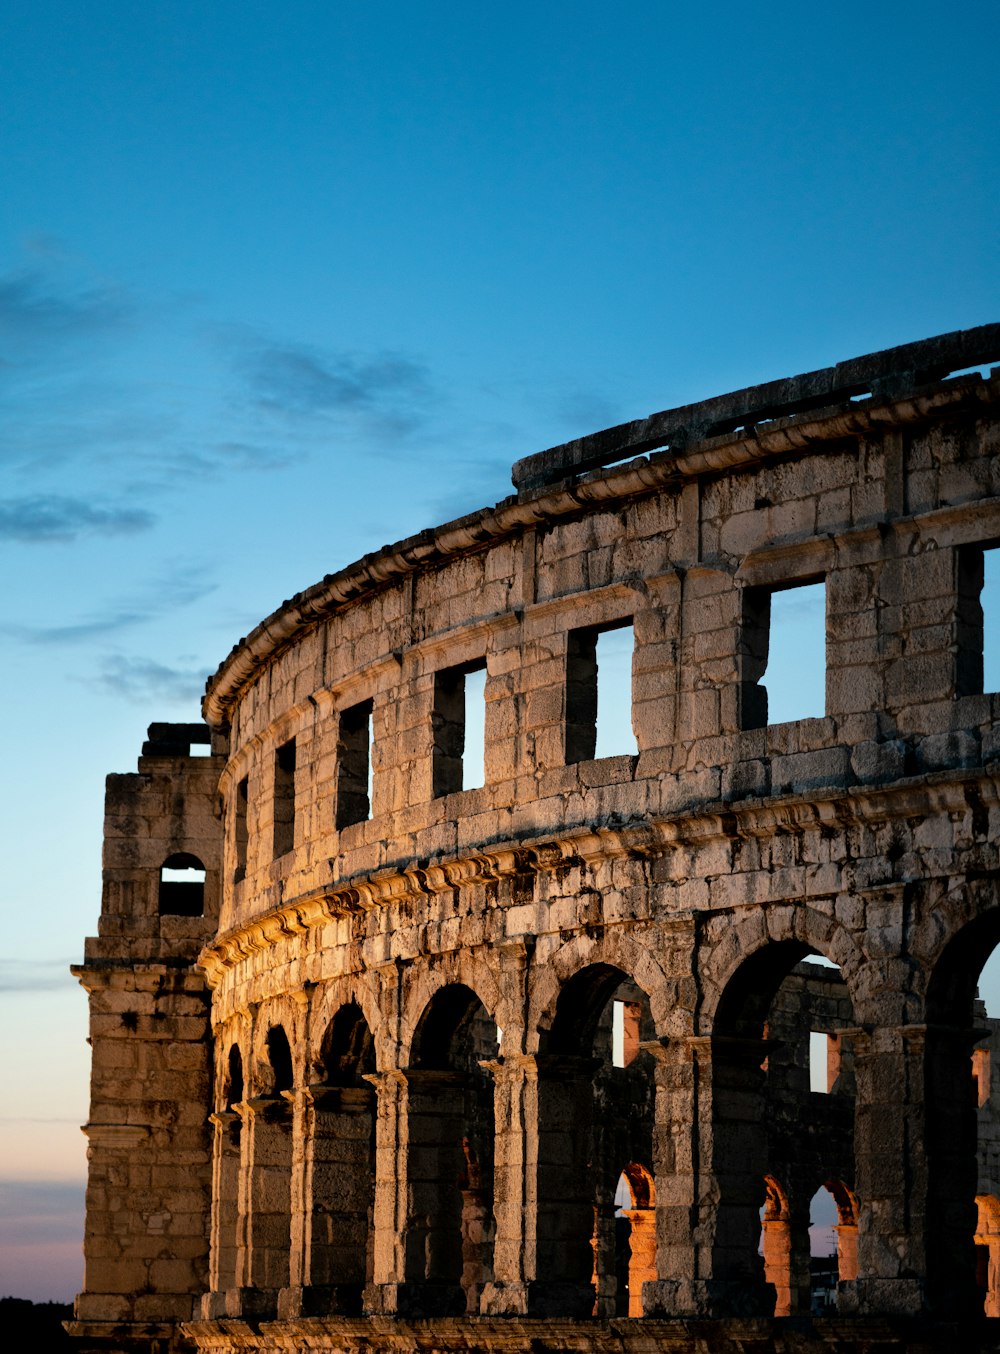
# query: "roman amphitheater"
(388, 1059)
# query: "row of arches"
(365, 1175)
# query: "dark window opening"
(784, 641)
(284, 798)
(182, 886)
(977, 620)
(354, 803)
(234, 1078)
(240, 834)
(279, 1055)
(459, 728)
(599, 692)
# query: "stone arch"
(448, 1237)
(339, 1148)
(268, 1223)
(848, 1211)
(635, 1239)
(330, 997)
(800, 930)
(594, 1114)
(950, 1098)
(280, 1012)
(614, 950)
(181, 890)
(422, 982)
(760, 1005)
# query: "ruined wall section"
(149, 1152)
(681, 565)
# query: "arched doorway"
(450, 1224)
(340, 1161)
(782, 1111)
(595, 1111)
(960, 1121)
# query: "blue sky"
(280, 285)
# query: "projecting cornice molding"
(942, 794)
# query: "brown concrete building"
(383, 1059)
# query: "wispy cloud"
(37, 304)
(35, 975)
(178, 587)
(37, 519)
(388, 392)
(143, 679)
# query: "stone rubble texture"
(368, 1098)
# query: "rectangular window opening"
(284, 799)
(459, 728)
(824, 1061)
(599, 692)
(354, 765)
(981, 1075)
(240, 834)
(783, 654)
(977, 621)
(626, 1018)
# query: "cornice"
(941, 793)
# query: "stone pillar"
(515, 1082)
(391, 1142)
(642, 1264)
(915, 1151)
(710, 1164)
(561, 1284)
(777, 1238)
(226, 1153)
(847, 1251)
(338, 1198)
(263, 1264)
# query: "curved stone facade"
(524, 1062)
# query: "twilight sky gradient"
(279, 285)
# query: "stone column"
(710, 1162)
(916, 1181)
(225, 1211)
(515, 1082)
(391, 1142)
(265, 1208)
(338, 1198)
(642, 1265)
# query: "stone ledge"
(523, 1335)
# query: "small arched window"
(182, 886)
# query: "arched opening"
(182, 886)
(962, 1132)
(595, 1110)
(780, 1113)
(340, 1161)
(450, 1224)
(226, 1174)
(268, 1228)
(833, 1244)
(635, 1237)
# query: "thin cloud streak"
(35, 975)
(34, 307)
(45, 519)
(385, 393)
(179, 588)
(141, 680)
